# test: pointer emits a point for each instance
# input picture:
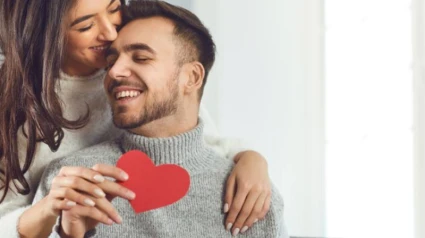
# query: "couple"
(157, 70)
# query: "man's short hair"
(194, 40)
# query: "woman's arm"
(65, 188)
(248, 188)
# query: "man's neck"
(169, 126)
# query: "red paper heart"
(155, 187)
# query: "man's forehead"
(150, 31)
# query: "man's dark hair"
(196, 43)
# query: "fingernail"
(235, 232)
(71, 203)
(226, 208)
(119, 219)
(255, 220)
(99, 192)
(131, 195)
(229, 226)
(99, 178)
(124, 175)
(89, 202)
(110, 222)
(245, 228)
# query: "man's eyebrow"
(83, 18)
(138, 46)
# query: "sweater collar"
(184, 149)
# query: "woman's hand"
(75, 187)
(81, 218)
(248, 192)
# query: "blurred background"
(332, 93)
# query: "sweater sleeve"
(9, 222)
(15, 204)
(11, 209)
(226, 147)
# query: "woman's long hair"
(32, 38)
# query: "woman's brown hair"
(32, 38)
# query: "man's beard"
(157, 110)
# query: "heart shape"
(155, 186)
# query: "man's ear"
(196, 74)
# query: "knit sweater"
(78, 94)
(198, 214)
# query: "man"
(158, 67)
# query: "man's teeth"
(125, 94)
(100, 47)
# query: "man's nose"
(119, 69)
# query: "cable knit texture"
(78, 94)
(198, 214)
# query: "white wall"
(266, 87)
(418, 10)
(369, 119)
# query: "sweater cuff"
(56, 230)
(9, 223)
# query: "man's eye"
(141, 59)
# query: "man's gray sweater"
(198, 214)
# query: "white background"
(332, 93)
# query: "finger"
(230, 192)
(253, 217)
(86, 173)
(107, 208)
(59, 205)
(91, 212)
(236, 206)
(73, 196)
(245, 212)
(111, 171)
(113, 189)
(80, 184)
(266, 207)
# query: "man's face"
(143, 79)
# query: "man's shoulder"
(106, 152)
(273, 224)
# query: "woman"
(51, 82)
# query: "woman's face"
(92, 26)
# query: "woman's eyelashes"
(86, 28)
(116, 9)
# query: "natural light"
(369, 119)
